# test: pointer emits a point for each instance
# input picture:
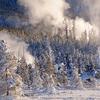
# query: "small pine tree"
(22, 70)
(72, 73)
(37, 76)
(7, 68)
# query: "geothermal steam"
(52, 11)
(82, 26)
(93, 10)
(87, 9)
(18, 47)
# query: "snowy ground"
(82, 94)
(62, 95)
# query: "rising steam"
(51, 11)
(18, 47)
(93, 11)
(82, 26)
(89, 10)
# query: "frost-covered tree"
(3, 66)
(37, 76)
(72, 73)
(51, 73)
(61, 75)
(22, 70)
(30, 76)
(8, 78)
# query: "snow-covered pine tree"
(37, 81)
(8, 63)
(30, 76)
(3, 66)
(61, 75)
(89, 74)
(22, 70)
(14, 79)
(48, 71)
(52, 81)
(72, 73)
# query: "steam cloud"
(52, 11)
(18, 47)
(93, 11)
(82, 26)
(89, 10)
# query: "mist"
(52, 11)
(16, 46)
(88, 10)
(93, 11)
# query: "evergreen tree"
(22, 70)
(72, 73)
(8, 63)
